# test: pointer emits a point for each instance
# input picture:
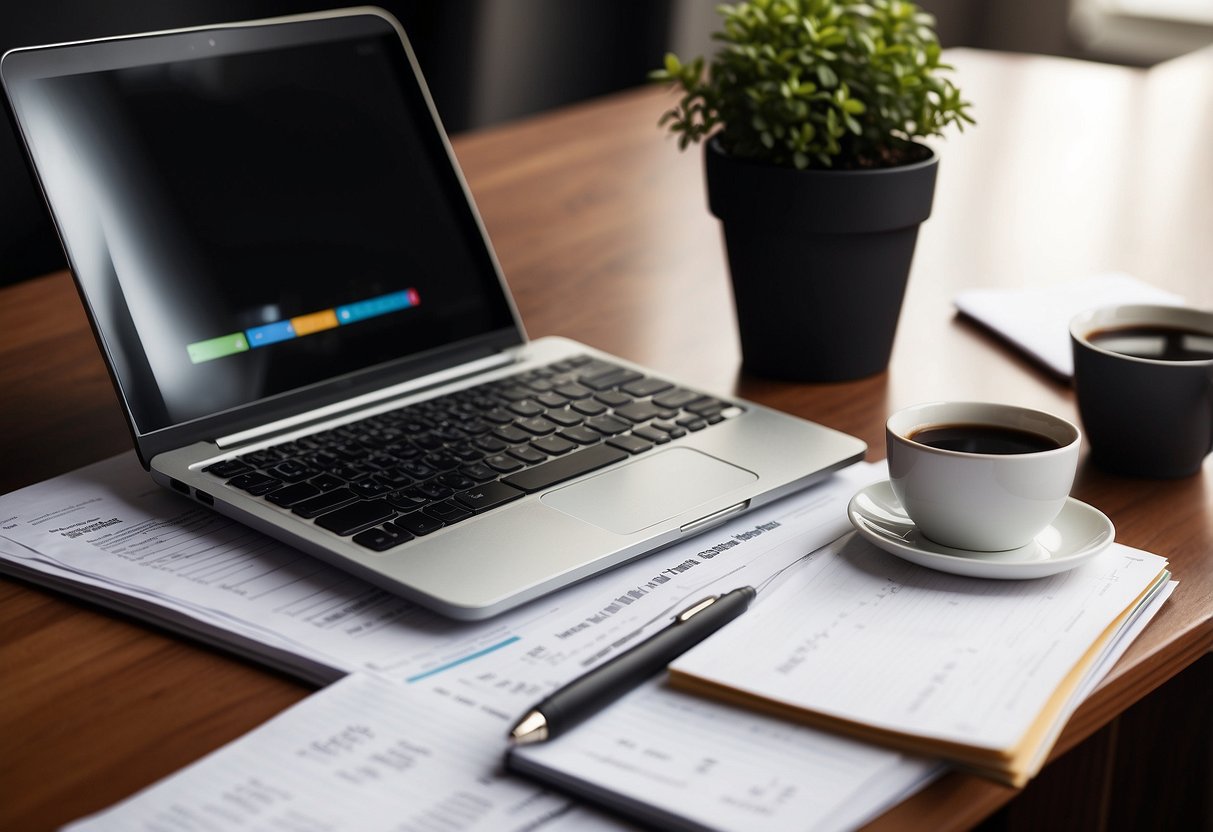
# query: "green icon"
(214, 348)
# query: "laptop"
(309, 332)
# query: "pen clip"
(697, 607)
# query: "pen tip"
(532, 728)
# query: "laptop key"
(581, 435)
(564, 417)
(380, 539)
(325, 502)
(706, 406)
(291, 471)
(565, 467)
(527, 454)
(651, 434)
(537, 425)
(455, 480)
(676, 398)
(554, 445)
(417, 524)
(254, 483)
(263, 458)
(433, 489)
(478, 472)
(611, 378)
(642, 412)
(629, 443)
(514, 393)
(526, 407)
(356, 517)
(503, 464)
(613, 398)
(645, 387)
(574, 391)
(607, 424)
(498, 416)
(447, 512)
(590, 407)
(407, 499)
(370, 487)
(670, 428)
(227, 468)
(489, 495)
(326, 482)
(491, 444)
(511, 434)
(551, 399)
(297, 493)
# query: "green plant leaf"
(816, 83)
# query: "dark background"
(488, 61)
(556, 52)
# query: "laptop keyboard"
(389, 478)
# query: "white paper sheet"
(363, 754)
(860, 635)
(682, 762)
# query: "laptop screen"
(247, 218)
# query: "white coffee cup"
(976, 499)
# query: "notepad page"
(856, 634)
(682, 762)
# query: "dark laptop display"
(268, 220)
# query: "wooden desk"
(602, 230)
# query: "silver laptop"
(309, 332)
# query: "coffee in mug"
(980, 476)
(983, 439)
(1160, 343)
(1143, 376)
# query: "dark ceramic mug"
(1144, 380)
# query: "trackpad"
(649, 490)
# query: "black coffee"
(1161, 343)
(983, 439)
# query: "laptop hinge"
(465, 370)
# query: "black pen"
(611, 680)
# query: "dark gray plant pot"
(819, 261)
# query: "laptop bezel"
(408, 372)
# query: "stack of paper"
(981, 673)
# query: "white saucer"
(1078, 534)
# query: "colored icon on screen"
(374, 307)
(260, 336)
(214, 348)
(315, 322)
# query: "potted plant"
(812, 112)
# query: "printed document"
(360, 754)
